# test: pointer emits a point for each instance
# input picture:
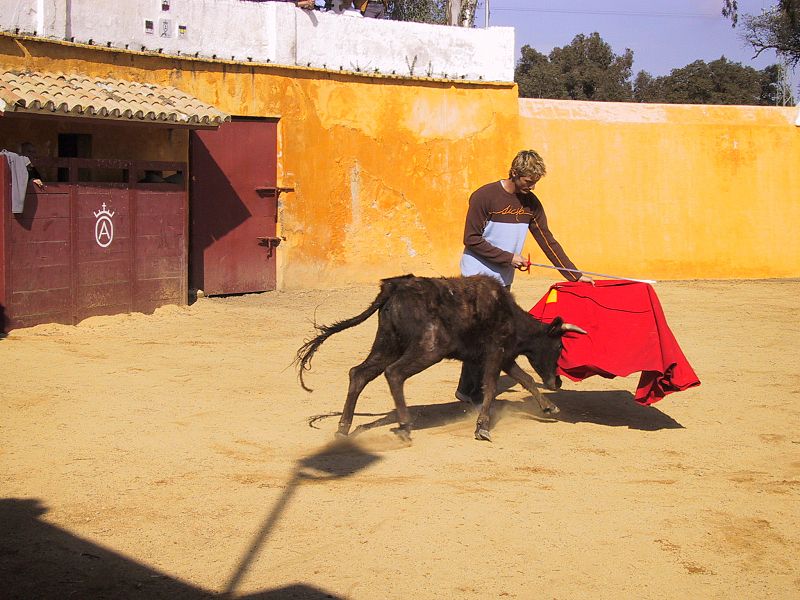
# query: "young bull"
(423, 320)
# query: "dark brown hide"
(424, 320)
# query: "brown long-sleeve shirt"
(496, 227)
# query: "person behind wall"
(306, 4)
(499, 217)
(374, 9)
(22, 171)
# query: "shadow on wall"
(28, 214)
(42, 561)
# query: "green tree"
(586, 69)
(730, 9)
(461, 12)
(777, 28)
(718, 82)
(773, 30)
(537, 77)
(441, 12)
(791, 8)
(647, 88)
(776, 88)
(419, 11)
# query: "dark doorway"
(74, 145)
(233, 207)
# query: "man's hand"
(518, 262)
(307, 4)
(38, 183)
(586, 279)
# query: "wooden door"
(234, 207)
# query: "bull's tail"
(307, 350)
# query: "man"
(305, 4)
(499, 217)
(375, 9)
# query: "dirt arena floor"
(171, 456)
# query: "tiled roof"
(58, 93)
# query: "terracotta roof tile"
(48, 93)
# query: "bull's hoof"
(403, 432)
(483, 434)
(340, 435)
(550, 410)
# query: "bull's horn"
(571, 327)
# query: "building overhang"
(73, 95)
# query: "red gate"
(234, 207)
(84, 249)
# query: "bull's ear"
(554, 329)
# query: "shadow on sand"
(42, 561)
(613, 408)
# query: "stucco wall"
(381, 166)
(670, 191)
(274, 32)
(382, 169)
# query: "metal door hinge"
(270, 243)
(270, 191)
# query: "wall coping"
(275, 33)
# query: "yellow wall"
(671, 191)
(383, 167)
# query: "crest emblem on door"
(104, 227)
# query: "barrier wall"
(380, 166)
(382, 169)
(85, 249)
(670, 191)
(275, 32)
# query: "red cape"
(626, 332)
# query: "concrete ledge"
(272, 32)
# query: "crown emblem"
(104, 227)
(103, 212)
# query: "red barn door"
(234, 207)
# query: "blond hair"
(527, 163)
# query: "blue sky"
(663, 34)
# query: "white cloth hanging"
(19, 179)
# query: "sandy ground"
(170, 455)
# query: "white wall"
(274, 32)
